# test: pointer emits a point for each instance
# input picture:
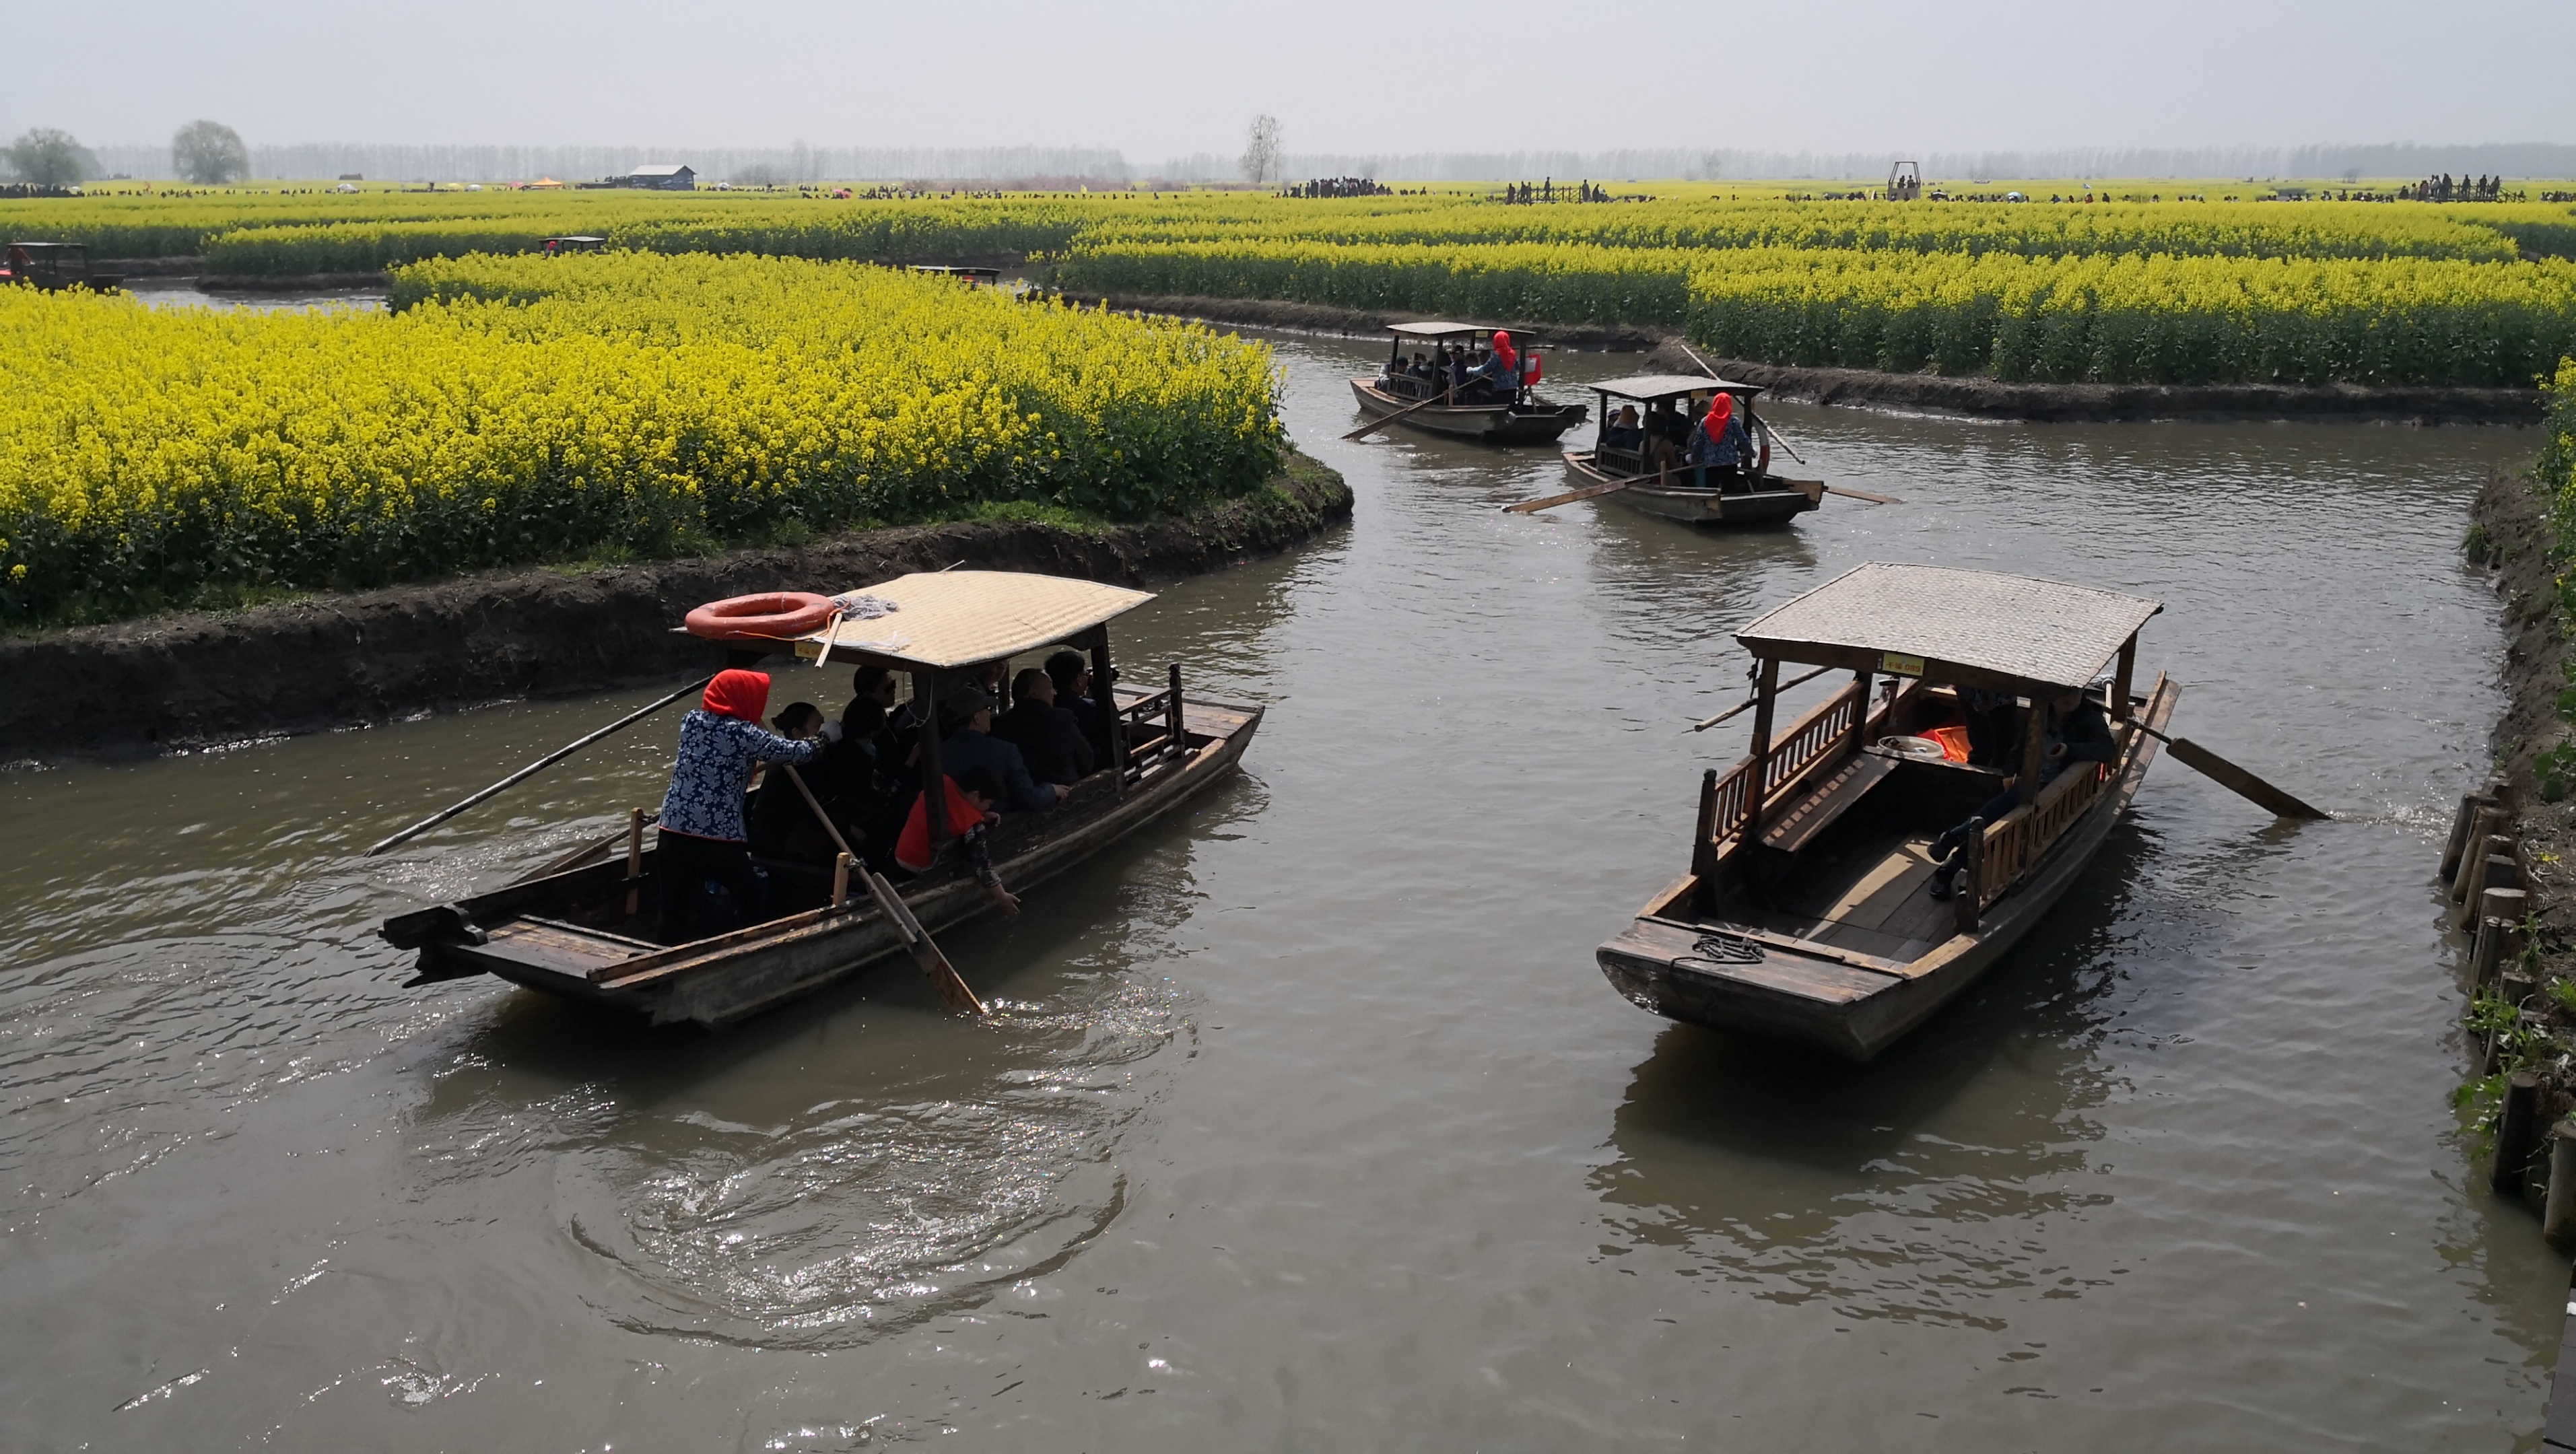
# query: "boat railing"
(1154, 727)
(1619, 461)
(2023, 836)
(1811, 739)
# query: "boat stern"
(1707, 975)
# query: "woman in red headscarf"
(702, 862)
(1719, 442)
(1502, 367)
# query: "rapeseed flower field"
(529, 409)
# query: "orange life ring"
(773, 616)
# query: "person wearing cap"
(702, 861)
(971, 744)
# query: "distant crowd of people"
(1518, 194)
(1338, 187)
(2442, 188)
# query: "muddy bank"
(1926, 393)
(1359, 323)
(1996, 399)
(292, 282)
(182, 681)
(2510, 536)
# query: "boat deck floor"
(1868, 894)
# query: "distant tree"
(209, 153)
(49, 158)
(1261, 142)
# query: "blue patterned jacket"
(717, 754)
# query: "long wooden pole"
(532, 769)
(1748, 704)
(1383, 420)
(944, 977)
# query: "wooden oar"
(944, 977)
(532, 769)
(2228, 775)
(1383, 420)
(1588, 492)
(1741, 707)
(1859, 494)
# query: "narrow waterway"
(1308, 1120)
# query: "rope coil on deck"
(1723, 948)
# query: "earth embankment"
(1973, 396)
(196, 679)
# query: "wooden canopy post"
(2034, 747)
(1175, 743)
(934, 792)
(1105, 698)
(2121, 676)
(1704, 847)
(1757, 793)
(1860, 712)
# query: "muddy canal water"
(1307, 1120)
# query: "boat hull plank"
(1486, 423)
(1776, 501)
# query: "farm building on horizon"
(662, 176)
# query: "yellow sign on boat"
(1897, 663)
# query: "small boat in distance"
(1755, 496)
(54, 266)
(1483, 415)
(1808, 914)
(583, 928)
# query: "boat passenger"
(1050, 740)
(702, 860)
(973, 745)
(1457, 370)
(2078, 731)
(780, 824)
(1624, 432)
(1666, 431)
(968, 806)
(1071, 677)
(1422, 366)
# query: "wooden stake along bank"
(583, 929)
(1806, 915)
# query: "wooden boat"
(1524, 418)
(54, 266)
(584, 929)
(1691, 496)
(1806, 914)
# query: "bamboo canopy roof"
(1666, 386)
(957, 618)
(1977, 628)
(1456, 330)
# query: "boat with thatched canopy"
(1809, 912)
(582, 928)
(1670, 490)
(1487, 416)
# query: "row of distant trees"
(207, 153)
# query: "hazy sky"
(1157, 78)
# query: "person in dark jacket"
(780, 824)
(2078, 733)
(1049, 738)
(973, 745)
(1073, 684)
